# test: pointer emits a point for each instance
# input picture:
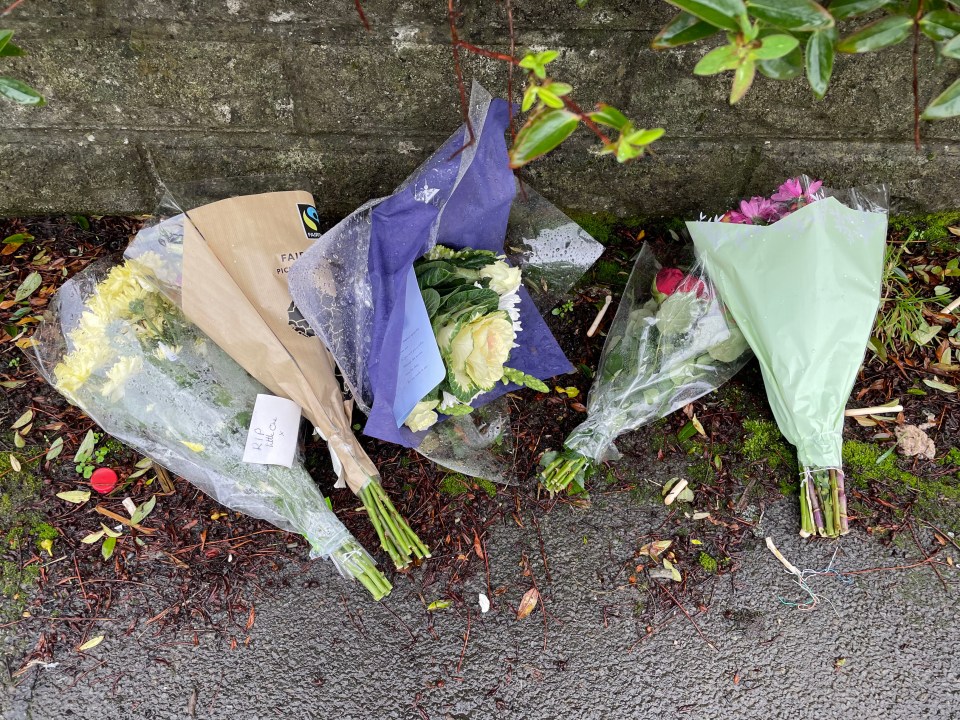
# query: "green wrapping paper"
(804, 291)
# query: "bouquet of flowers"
(425, 315)
(801, 273)
(471, 297)
(117, 349)
(671, 342)
(224, 265)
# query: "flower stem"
(841, 499)
(354, 562)
(396, 537)
(558, 475)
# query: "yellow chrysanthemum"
(119, 375)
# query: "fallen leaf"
(196, 447)
(12, 384)
(913, 441)
(528, 603)
(439, 605)
(252, 618)
(28, 286)
(698, 425)
(77, 497)
(14, 463)
(55, 449)
(22, 420)
(18, 441)
(92, 538)
(954, 230)
(477, 546)
(937, 385)
(109, 544)
(654, 549)
(91, 643)
(674, 573)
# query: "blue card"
(421, 367)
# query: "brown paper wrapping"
(236, 253)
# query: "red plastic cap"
(103, 480)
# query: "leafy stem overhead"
(11, 88)
(783, 39)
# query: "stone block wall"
(140, 91)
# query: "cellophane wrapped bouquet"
(122, 353)
(671, 342)
(430, 299)
(801, 273)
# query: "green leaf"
(717, 60)
(937, 385)
(142, 511)
(543, 132)
(11, 50)
(726, 14)
(537, 63)
(55, 449)
(439, 605)
(940, 25)
(91, 643)
(109, 544)
(784, 68)
(742, 80)
(19, 92)
(925, 333)
(86, 447)
(820, 61)
(842, 9)
(431, 298)
(609, 116)
(529, 97)
(952, 49)
(687, 432)
(5, 36)
(796, 15)
(549, 99)
(684, 28)
(945, 105)
(22, 420)
(775, 46)
(28, 286)
(883, 33)
(560, 88)
(645, 137)
(77, 497)
(17, 239)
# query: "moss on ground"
(21, 527)
(937, 498)
(931, 227)
(456, 485)
(764, 443)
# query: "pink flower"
(793, 190)
(755, 211)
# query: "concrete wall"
(188, 89)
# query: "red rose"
(692, 284)
(668, 280)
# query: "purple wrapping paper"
(475, 215)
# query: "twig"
(684, 611)
(513, 52)
(889, 567)
(10, 8)
(791, 568)
(878, 410)
(933, 567)
(363, 17)
(120, 519)
(597, 320)
(458, 71)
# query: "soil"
(204, 567)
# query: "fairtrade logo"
(310, 219)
